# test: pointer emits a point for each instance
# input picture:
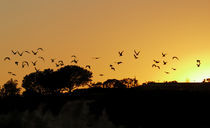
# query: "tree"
(10, 88)
(113, 83)
(50, 82)
(129, 82)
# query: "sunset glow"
(102, 28)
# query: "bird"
(156, 61)
(25, 62)
(14, 52)
(40, 57)
(74, 56)
(88, 66)
(136, 57)
(27, 52)
(113, 68)
(7, 58)
(158, 67)
(20, 54)
(163, 54)
(60, 62)
(110, 65)
(57, 65)
(153, 65)
(34, 63)
(37, 70)
(96, 58)
(119, 62)
(35, 53)
(40, 49)
(13, 74)
(175, 57)
(52, 60)
(74, 61)
(16, 62)
(101, 74)
(198, 63)
(167, 72)
(9, 72)
(173, 69)
(136, 53)
(121, 53)
(164, 62)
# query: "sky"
(102, 28)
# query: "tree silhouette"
(50, 82)
(113, 83)
(129, 82)
(10, 88)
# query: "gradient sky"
(89, 28)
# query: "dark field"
(156, 105)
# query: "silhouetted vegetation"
(10, 89)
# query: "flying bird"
(57, 65)
(60, 62)
(121, 53)
(163, 54)
(136, 57)
(198, 63)
(173, 69)
(166, 72)
(20, 54)
(37, 70)
(113, 68)
(136, 53)
(96, 58)
(154, 65)
(12, 73)
(175, 57)
(34, 63)
(110, 65)
(88, 66)
(74, 56)
(41, 49)
(16, 62)
(14, 52)
(119, 62)
(25, 62)
(27, 52)
(35, 53)
(101, 74)
(156, 61)
(74, 61)
(7, 58)
(52, 60)
(164, 62)
(40, 57)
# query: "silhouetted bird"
(158, 67)
(121, 53)
(136, 53)
(57, 65)
(37, 70)
(12, 73)
(198, 63)
(96, 58)
(34, 63)
(113, 68)
(173, 69)
(40, 57)
(7, 58)
(41, 49)
(136, 57)
(16, 62)
(35, 53)
(164, 54)
(14, 52)
(74, 61)
(27, 52)
(101, 74)
(119, 62)
(110, 65)
(74, 56)
(60, 62)
(175, 58)
(20, 54)
(52, 60)
(88, 66)
(156, 61)
(154, 65)
(164, 62)
(166, 72)
(25, 62)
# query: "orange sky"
(89, 28)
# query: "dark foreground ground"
(109, 108)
